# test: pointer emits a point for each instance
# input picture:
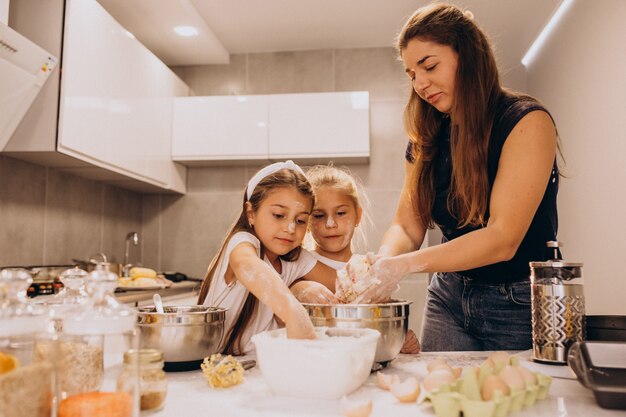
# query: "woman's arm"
(406, 232)
(523, 172)
(524, 169)
(263, 281)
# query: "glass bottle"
(94, 337)
(25, 379)
(152, 378)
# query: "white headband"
(268, 170)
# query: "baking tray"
(601, 367)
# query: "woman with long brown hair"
(480, 165)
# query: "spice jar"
(105, 329)
(152, 378)
(25, 381)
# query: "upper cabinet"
(319, 125)
(116, 98)
(304, 127)
(220, 128)
(107, 115)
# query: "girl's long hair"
(284, 178)
(476, 96)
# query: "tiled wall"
(187, 231)
(48, 217)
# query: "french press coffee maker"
(558, 306)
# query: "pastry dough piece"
(222, 371)
(351, 285)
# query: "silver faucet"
(130, 237)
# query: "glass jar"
(71, 295)
(92, 343)
(26, 388)
(152, 378)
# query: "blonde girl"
(261, 256)
(335, 218)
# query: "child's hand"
(313, 292)
(298, 324)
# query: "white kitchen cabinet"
(319, 125)
(116, 98)
(303, 127)
(220, 128)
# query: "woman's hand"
(411, 343)
(313, 292)
(389, 271)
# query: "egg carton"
(463, 396)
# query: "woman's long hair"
(283, 178)
(477, 93)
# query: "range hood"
(24, 68)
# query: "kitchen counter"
(136, 297)
(190, 395)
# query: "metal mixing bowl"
(390, 319)
(185, 334)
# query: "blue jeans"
(462, 314)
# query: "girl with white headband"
(261, 256)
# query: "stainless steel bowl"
(185, 334)
(390, 319)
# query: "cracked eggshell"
(437, 378)
(351, 408)
(437, 364)
(407, 391)
(386, 380)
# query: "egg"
(437, 378)
(500, 359)
(529, 377)
(351, 408)
(407, 391)
(489, 363)
(385, 380)
(457, 372)
(492, 384)
(437, 364)
(512, 377)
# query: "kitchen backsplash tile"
(193, 227)
(121, 213)
(22, 212)
(204, 179)
(73, 218)
(151, 231)
(216, 80)
(290, 72)
(376, 70)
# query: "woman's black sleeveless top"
(545, 222)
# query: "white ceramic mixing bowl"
(329, 367)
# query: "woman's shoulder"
(510, 110)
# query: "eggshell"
(407, 391)
(488, 363)
(355, 408)
(437, 378)
(437, 364)
(512, 377)
(457, 372)
(500, 359)
(492, 384)
(385, 380)
(529, 377)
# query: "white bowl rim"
(365, 335)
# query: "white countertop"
(190, 395)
